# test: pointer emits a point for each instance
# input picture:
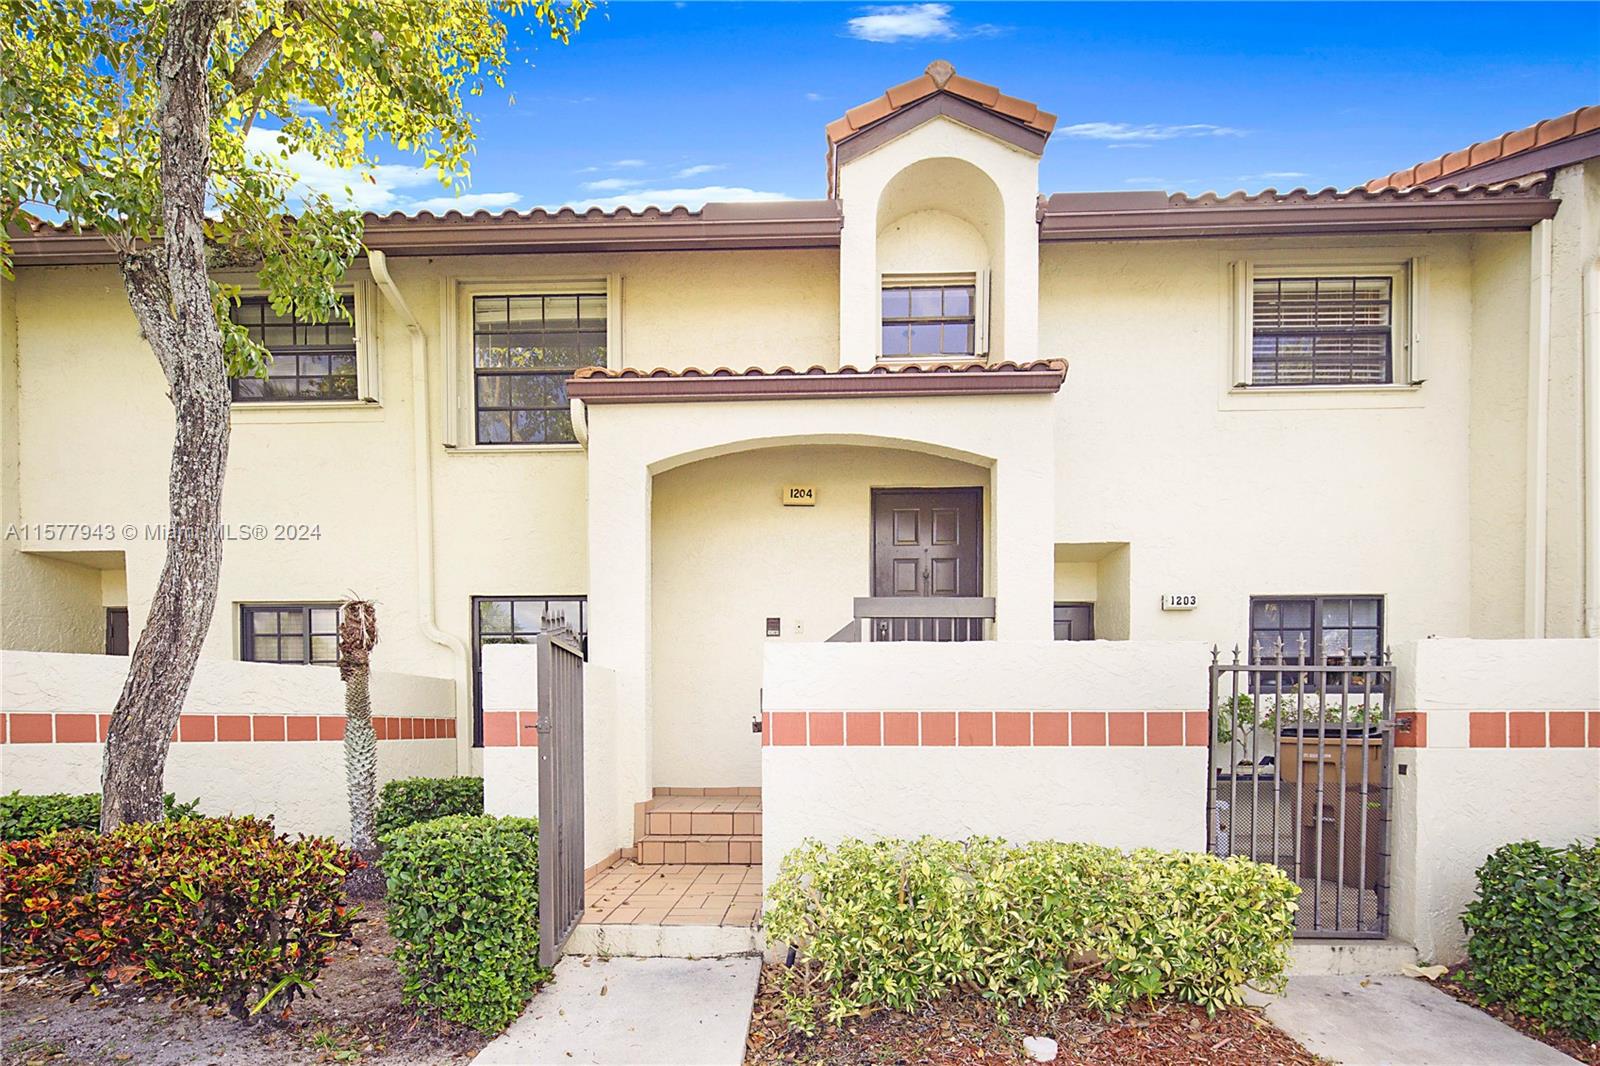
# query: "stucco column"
(619, 612)
(1024, 538)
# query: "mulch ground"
(965, 1029)
(355, 1017)
(1455, 983)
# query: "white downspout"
(1591, 457)
(1537, 518)
(422, 463)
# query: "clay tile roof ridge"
(966, 367)
(1576, 122)
(1332, 194)
(541, 214)
(940, 76)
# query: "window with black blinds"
(1322, 331)
(310, 360)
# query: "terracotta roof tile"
(598, 384)
(1541, 134)
(939, 77)
(911, 91)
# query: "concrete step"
(665, 941)
(672, 849)
(1341, 958)
(701, 823)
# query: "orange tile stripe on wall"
(511, 729)
(1044, 729)
(44, 727)
(984, 729)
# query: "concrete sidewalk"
(635, 1012)
(1368, 1021)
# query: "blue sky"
(667, 103)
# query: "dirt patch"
(356, 1016)
(965, 1029)
(1456, 983)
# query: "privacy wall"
(1503, 744)
(1102, 741)
(254, 738)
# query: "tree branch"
(261, 51)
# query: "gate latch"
(755, 723)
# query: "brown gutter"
(1154, 215)
(594, 385)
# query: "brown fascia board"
(1034, 379)
(1152, 216)
(716, 227)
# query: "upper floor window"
(931, 321)
(310, 360)
(289, 633)
(524, 348)
(1328, 330)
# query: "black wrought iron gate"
(1301, 750)
(560, 790)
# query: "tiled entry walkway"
(630, 894)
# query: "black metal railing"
(925, 618)
(1301, 749)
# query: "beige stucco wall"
(1099, 794)
(726, 555)
(299, 784)
(1575, 245)
(1454, 803)
(1228, 495)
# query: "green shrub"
(23, 817)
(422, 799)
(215, 909)
(897, 923)
(1533, 934)
(463, 898)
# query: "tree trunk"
(171, 295)
(360, 760)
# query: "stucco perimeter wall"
(1100, 741)
(1505, 745)
(253, 738)
(511, 744)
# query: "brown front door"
(927, 542)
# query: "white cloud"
(466, 203)
(628, 163)
(697, 170)
(814, 97)
(610, 184)
(1124, 132)
(688, 197)
(903, 22)
(381, 188)
(1275, 175)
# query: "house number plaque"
(1179, 601)
(799, 496)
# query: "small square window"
(1336, 329)
(302, 633)
(929, 321)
